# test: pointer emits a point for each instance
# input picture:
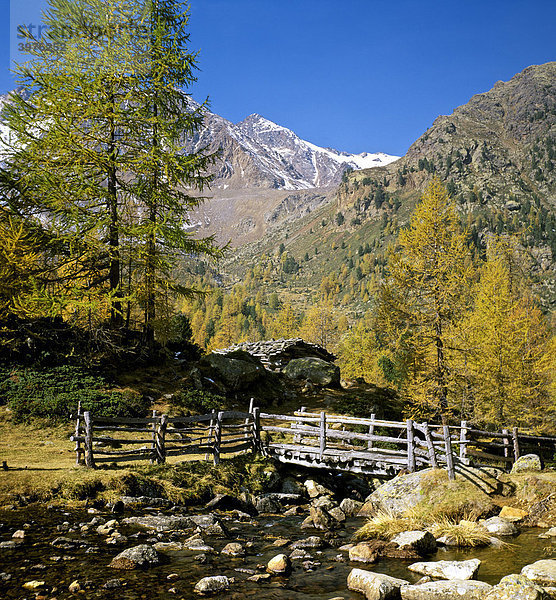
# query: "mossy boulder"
(315, 370)
(528, 462)
(429, 492)
(236, 370)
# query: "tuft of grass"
(466, 533)
(385, 525)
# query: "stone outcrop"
(276, 354)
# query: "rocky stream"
(295, 545)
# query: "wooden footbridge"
(318, 440)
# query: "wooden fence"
(105, 440)
(361, 445)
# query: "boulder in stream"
(448, 569)
(516, 587)
(453, 589)
(210, 585)
(542, 572)
(375, 586)
(138, 557)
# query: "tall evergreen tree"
(424, 296)
(96, 157)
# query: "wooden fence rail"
(160, 436)
(337, 442)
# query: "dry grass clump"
(385, 525)
(465, 533)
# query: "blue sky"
(355, 75)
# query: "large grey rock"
(363, 552)
(551, 533)
(516, 587)
(499, 526)
(453, 589)
(279, 564)
(321, 519)
(209, 524)
(209, 585)
(350, 507)
(160, 522)
(542, 572)
(448, 569)
(236, 370)
(314, 489)
(527, 462)
(422, 542)
(317, 371)
(397, 495)
(375, 586)
(228, 502)
(313, 541)
(142, 556)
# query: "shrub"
(198, 401)
(54, 394)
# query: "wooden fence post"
(371, 432)
(448, 449)
(515, 437)
(153, 444)
(257, 446)
(161, 440)
(297, 436)
(217, 438)
(430, 446)
(211, 429)
(410, 446)
(248, 435)
(78, 450)
(89, 458)
(463, 443)
(322, 434)
(506, 440)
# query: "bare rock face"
(375, 586)
(364, 552)
(138, 557)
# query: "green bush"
(198, 401)
(54, 394)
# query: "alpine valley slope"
(266, 175)
(497, 155)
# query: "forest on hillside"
(95, 205)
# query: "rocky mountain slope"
(257, 153)
(266, 177)
(497, 155)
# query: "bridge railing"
(339, 442)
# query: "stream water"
(37, 559)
